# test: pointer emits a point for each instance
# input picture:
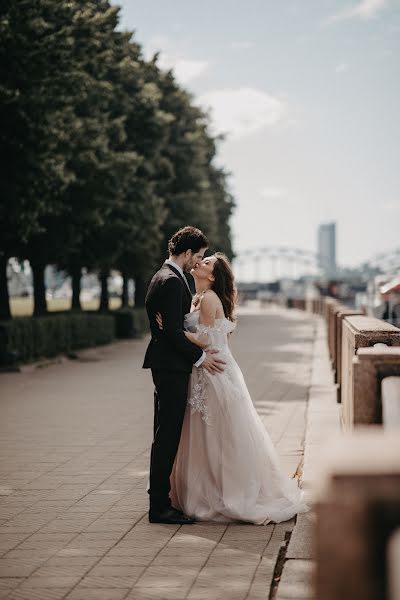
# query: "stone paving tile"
(178, 593)
(8, 541)
(83, 593)
(224, 555)
(65, 570)
(127, 560)
(54, 581)
(301, 542)
(7, 584)
(42, 554)
(28, 592)
(49, 507)
(106, 571)
(10, 568)
(70, 523)
(296, 579)
(65, 562)
(39, 540)
(110, 581)
(75, 495)
(262, 579)
(90, 544)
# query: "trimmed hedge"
(130, 322)
(26, 338)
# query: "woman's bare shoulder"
(210, 297)
(210, 301)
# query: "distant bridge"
(269, 263)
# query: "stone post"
(357, 511)
(337, 363)
(358, 332)
(370, 367)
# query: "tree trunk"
(5, 312)
(140, 291)
(104, 299)
(124, 295)
(76, 274)
(39, 290)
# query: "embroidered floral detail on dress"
(198, 397)
(217, 339)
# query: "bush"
(28, 338)
(130, 322)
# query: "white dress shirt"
(169, 261)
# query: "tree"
(187, 193)
(101, 167)
(104, 155)
(35, 111)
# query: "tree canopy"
(103, 154)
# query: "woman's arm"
(208, 309)
(200, 340)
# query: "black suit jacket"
(169, 349)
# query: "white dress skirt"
(227, 468)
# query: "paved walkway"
(74, 451)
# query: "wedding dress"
(227, 468)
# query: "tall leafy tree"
(104, 163)
(96, 131)
(187, 193)
(35, 112)
(104, 156)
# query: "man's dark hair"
(187, 238)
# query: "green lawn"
(23, 307)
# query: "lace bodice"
(218, 333)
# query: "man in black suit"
(171, 356)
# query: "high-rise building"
(327, 248)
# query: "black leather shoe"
(170, 516)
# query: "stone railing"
(357, 515)
(358, 372)
(357, 527)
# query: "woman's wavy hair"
(224, 284)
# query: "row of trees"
(103, 155)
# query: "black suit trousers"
(170, 399)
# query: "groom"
(171, 357)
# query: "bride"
(226, 468)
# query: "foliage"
(130, 322)
(29, 339)
(103, 154)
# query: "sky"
(307, 93)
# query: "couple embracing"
(212, 458)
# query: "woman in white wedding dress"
(226, 468)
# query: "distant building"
(327, 249)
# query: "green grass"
(23, 307)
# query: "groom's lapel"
(183, 279)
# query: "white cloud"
(186, 70)
(366, 9)
(272, 193)
(171, 58)
(342, 68)
(243, 111)
(242, 45)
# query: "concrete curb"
(323, 421)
